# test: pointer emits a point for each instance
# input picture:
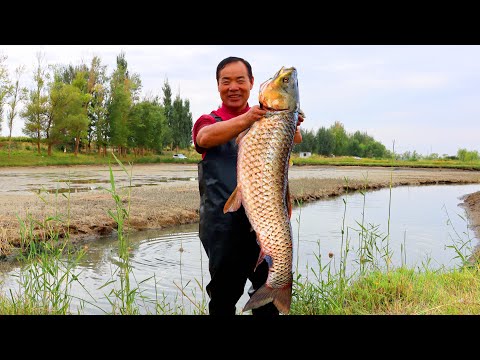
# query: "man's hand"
(255, 113)
(300, 120)
(298, 135)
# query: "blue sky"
(422, 97)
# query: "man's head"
(234, 80)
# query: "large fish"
(262, 185)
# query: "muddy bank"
(84, 216)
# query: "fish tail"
(281, 298)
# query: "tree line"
(335, 140)
(83, 105)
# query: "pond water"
(417, 225)
(80, 178)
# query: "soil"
(85, 215)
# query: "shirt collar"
(226, 114)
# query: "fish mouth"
(270, 108)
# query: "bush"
(465, 155)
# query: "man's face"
(234, 85)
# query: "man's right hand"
(255, 113)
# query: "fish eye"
(285, 80)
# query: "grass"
(48, 272)
(125, 296)
(401, 291)
(48, 268)
(20, 156)
(387, 162)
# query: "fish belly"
(262, 171)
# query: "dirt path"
(85, 214)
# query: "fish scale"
(266, 152)
(262, 186)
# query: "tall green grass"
(122, 299)
(48, 267)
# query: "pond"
(417, 225)
(84, 178)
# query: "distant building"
(305, 154)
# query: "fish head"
(280, 92)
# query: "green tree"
(67, 73)
(168, 111)
(124, 91)
(374, 149)
(5, 86)
(187, 125)
(325, 142)
(465, 155)
(462, 154)
(355, 148)
(411, 156)
(96, 108)
(308, 141)
(341, 138)
(181, 124)
(98, 117)
(54, 108)
(118, 110)
(119, 105)
(69, 120)
(147, 126)
(36, 106)
(17, 94)
(78, 119)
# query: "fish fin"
(281, 297)
(234, 201)
(261, 256)
(289, 202)
(261, 297)
(241, 135)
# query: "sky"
(423, 98)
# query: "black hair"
(231, 59)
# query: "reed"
(128, 297)
(48, 266)
(124, 298)
(461, 242)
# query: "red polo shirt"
(206, 120)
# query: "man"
(230, 244)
